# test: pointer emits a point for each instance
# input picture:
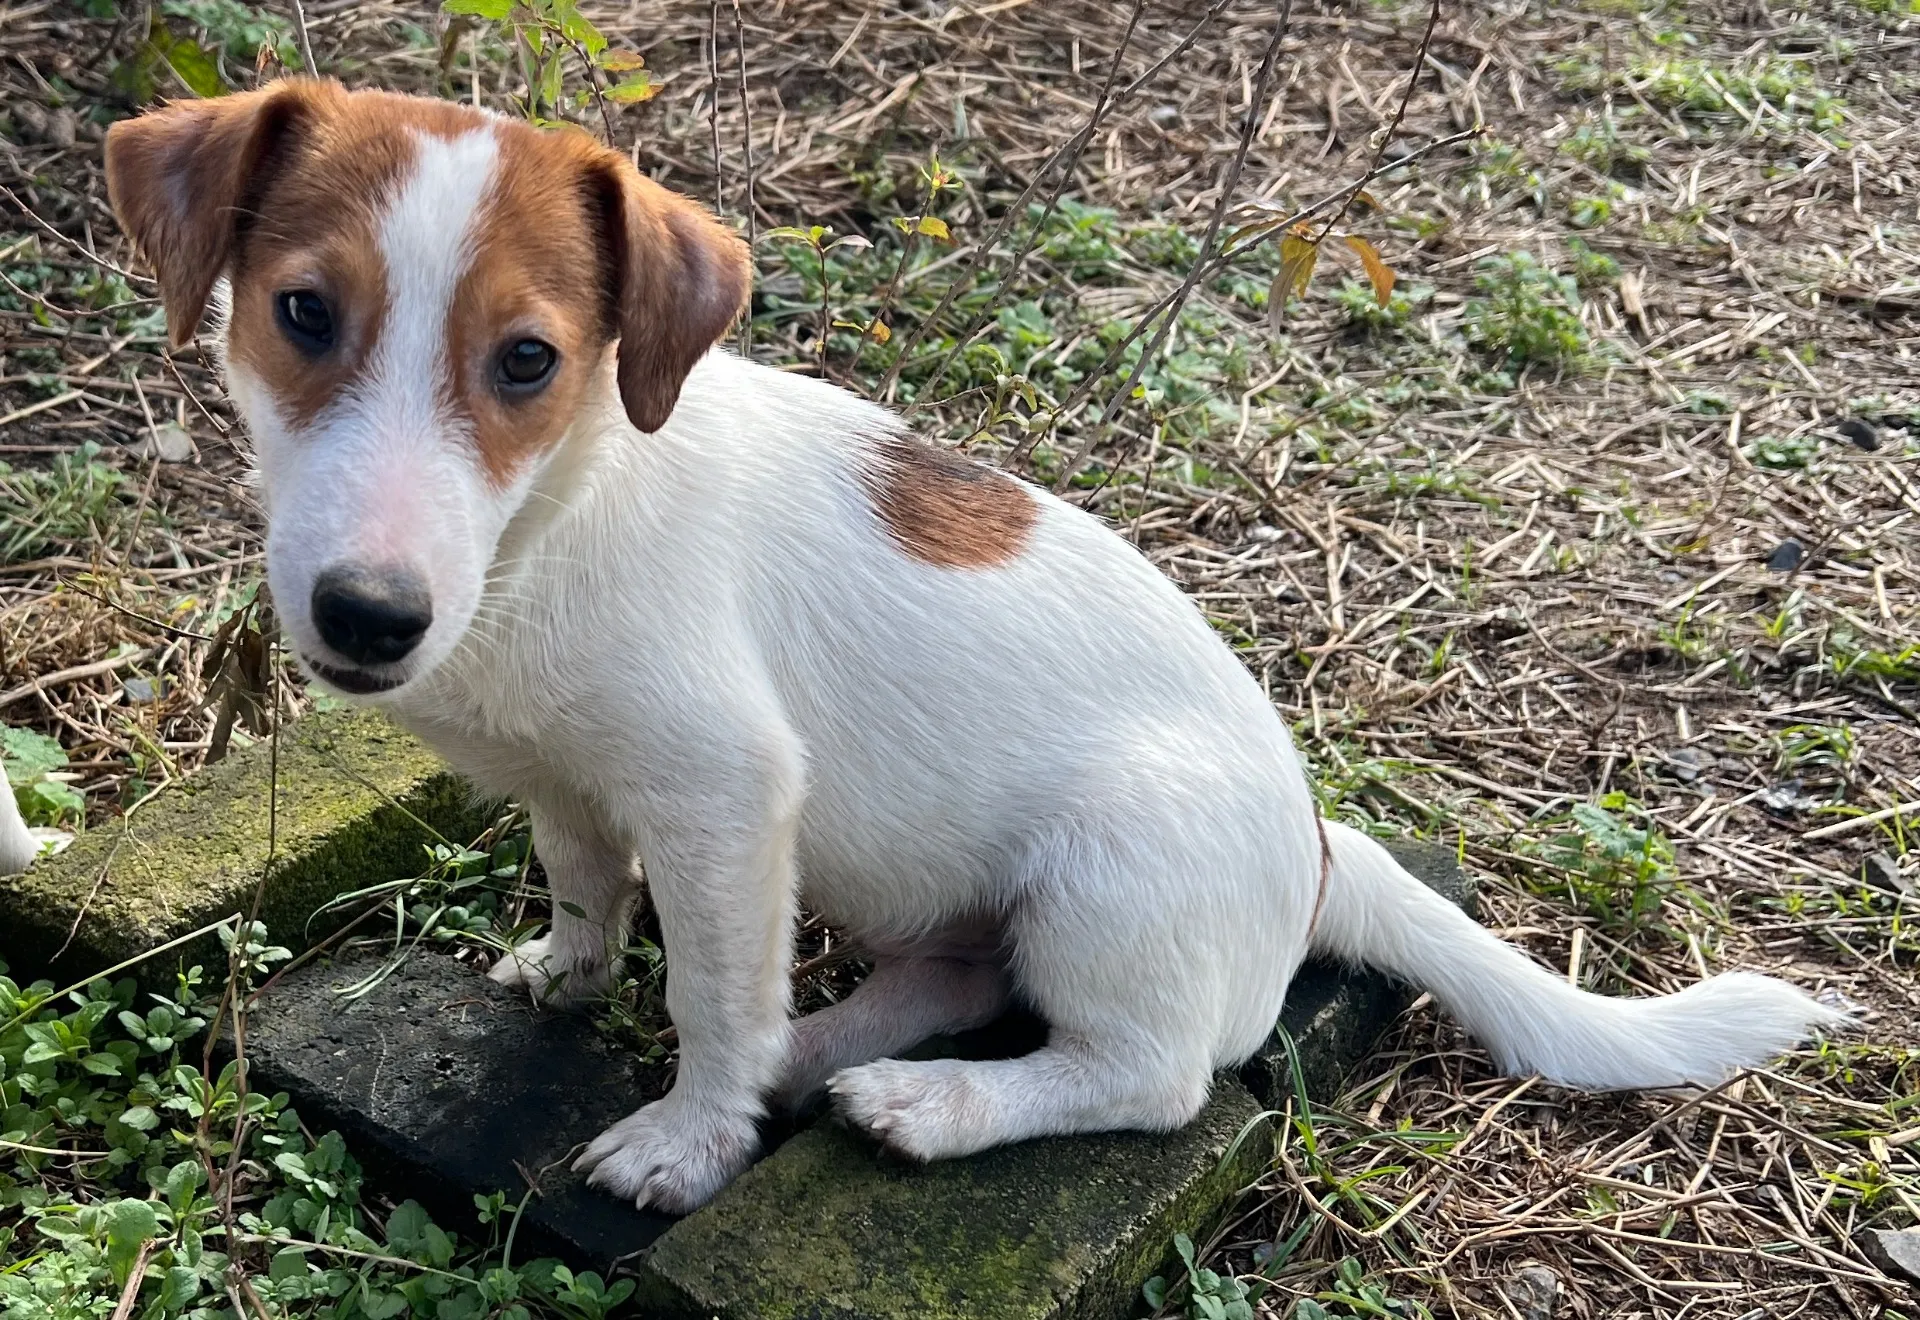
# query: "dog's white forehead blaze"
(426, 243)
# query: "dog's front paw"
(549, 975)
(923, 1111)
(664, 1157)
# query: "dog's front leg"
(720, 873)
(591, 876)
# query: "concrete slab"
(357, 801)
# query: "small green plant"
(542, 33)
(1204, 1294)
(1598, 144)
(128, 1171)
(1783, 453)
(1592, 269)
(1526, 311)
(72, 500)
(1354, 1294)
(821, 241)
(1828, 747)
(1363, 308)
(33, 762)
(1615, 865)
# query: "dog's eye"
(526, 363)
(305, 317)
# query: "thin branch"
(1248, 129)
(302, 39)
(746, 144)
(713, 106)
(1073, 149)
(1393, 128)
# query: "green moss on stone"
(830, 1229)
(353, 796)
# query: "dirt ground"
(1590, 553)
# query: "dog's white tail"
(17, 847)
(1533, 1021)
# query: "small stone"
(1686, 764)
(1533, 1291)
(1861, 432)
(143, 691)
(32, 122)
(1264, 533)
(1166, 118)
(62, 128)
(170, 443)
(1788, 798)
(1786, 556)
(1895, 1251)
(1883, 873)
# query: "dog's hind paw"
(663, 1157)
(923, 1111)
(544, 972)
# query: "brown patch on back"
(945, 510)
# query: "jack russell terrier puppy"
(740, 630)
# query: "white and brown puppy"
(736, 626)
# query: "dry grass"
(1486, 589)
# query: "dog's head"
(424, 299)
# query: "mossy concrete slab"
(446, 1085)
(356, 800)
(828, 1228)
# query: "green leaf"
(550, 78)
(50, 802)
(288, 1263)
(571, 909)
(197, 67)
(129, 1225)
(407, 1226)
(788, 233)
(1184, 1245)
(140, 1118)
(28, 755)
(575, 27)
(496, 10)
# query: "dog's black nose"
(371, 616)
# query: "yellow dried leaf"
(629, 91)
(881, 334)
(1298, 256)
(1379, 273)
(621, 61)
(934, 227)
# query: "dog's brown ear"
(679, 279)
(182, 178)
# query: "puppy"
(738, 627)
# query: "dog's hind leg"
(594, 884)
(1140, 959)
(905, 1000)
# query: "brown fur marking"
(1326, 869)
(946, 510)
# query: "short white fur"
(1046, 779)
